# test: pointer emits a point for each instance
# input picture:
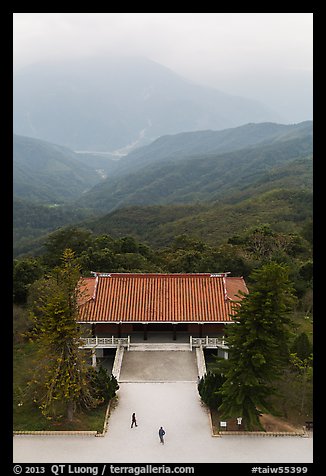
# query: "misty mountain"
(201, 143)
(105, 104)
(49, 173)
(183, 179)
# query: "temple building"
(133, 307)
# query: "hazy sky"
(265, 56)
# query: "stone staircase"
(118, 361)
(201, 364)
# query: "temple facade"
(132, 307)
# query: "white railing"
(208, 342)
(105, 342)
(112, 342)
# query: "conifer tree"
(62, 373)
(258, 344)
(208, 388)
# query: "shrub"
(104, 386)
(208, 389)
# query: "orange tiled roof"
(233, 286)
(86, 290)
(160, 298)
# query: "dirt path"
(272, 423)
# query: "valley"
(206, 184)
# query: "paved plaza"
(166, 396)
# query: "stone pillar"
(145, 331)
(94, 357)
(174, 327)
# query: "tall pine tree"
(258, 344)
(61, 378)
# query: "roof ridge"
(140, 275)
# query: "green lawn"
(26, 415)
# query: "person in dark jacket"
(133, 420)
(161, 434)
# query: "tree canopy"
(61, 377)
(258, 344)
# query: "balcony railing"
(209, 342)
(113, 342)
(105, 342)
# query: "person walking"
(133, 420)
(161, 434)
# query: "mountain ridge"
(92, 104)
(189, 144)
(47, 172)
(186, 179)
(184, 189)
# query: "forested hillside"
(283, 210)
(169, 189)
(206, 143)
(198, 179)
(32, 220)
(49, 173)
